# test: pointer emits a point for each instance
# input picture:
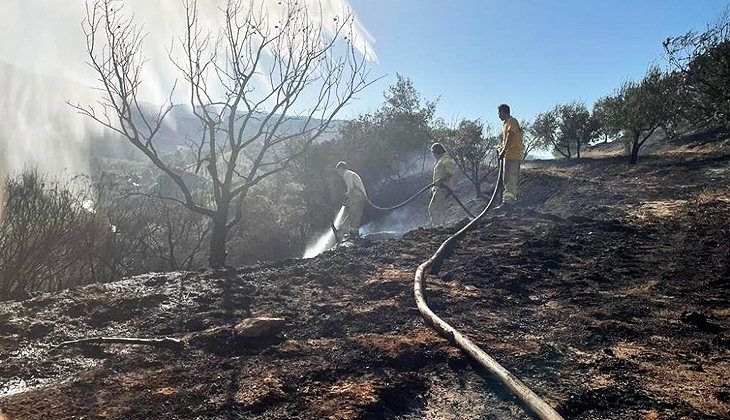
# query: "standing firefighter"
(354, 200)
(511, 153)
(443, 177)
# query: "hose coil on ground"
(534, 403)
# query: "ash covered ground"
(607, 292)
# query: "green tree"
(566, 129)
(530, 142)
(643, 107)
(390, 142)
(702, 62)
(604, 113)
(545, 129)
(474, 149)
(576, 128)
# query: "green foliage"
(473, 147)
(605, 111)
(530, 142)
(387, 143)
(576, 128)
(544, 129)
(643, 107)
(566, 129)
(702, 65)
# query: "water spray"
(327, 240)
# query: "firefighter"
(443, 178)
(354, 201)
(510, 152)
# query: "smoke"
(395, 223)
(39, 129)
(46, 65)
(51, 40)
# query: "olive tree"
(643, 107)
(703, 62)
(246, 86)
(576, 127)
(530, 142)
(566, 128)
(604, 113)
(474, 149)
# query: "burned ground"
(606, 292)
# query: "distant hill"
(182, 125)
(40, 129)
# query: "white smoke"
(396, 222)
(43, 65)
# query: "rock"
(259, 327)
(251, 333)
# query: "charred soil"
(606, 291)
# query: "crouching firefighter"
(443, 178)
(354, 201)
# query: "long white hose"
(533, 402)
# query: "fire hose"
(413, 197)
(534, 403)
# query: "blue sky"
(529, 54)
(473, 54)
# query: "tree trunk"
(217, 257)
(634, 157)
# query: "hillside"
(182, 125)
(35, 108)
(606, 292)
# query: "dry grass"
(714, 195)
(658, 209)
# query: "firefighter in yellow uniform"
(510, 152)
(443, 176)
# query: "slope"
(607, 293)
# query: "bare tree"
(43, 236)
(245, 123)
